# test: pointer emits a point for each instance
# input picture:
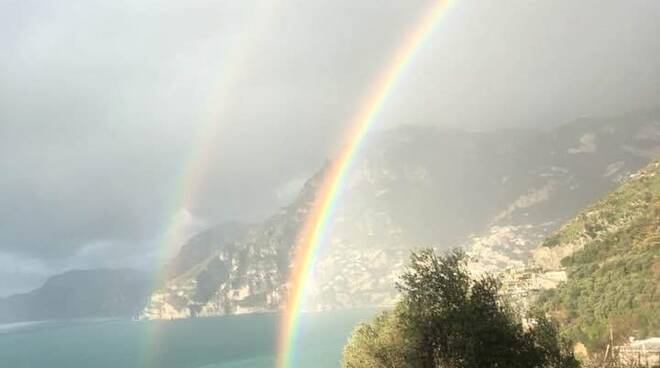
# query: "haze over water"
(224, 342)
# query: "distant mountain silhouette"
(80, 294)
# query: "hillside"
(612, 258)
(80, 294)
(408, 189)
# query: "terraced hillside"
(611, 253)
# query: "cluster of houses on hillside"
(521, 286)
(639, 353)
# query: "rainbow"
(317, 223)
(189, 183)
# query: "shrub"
(448, 319)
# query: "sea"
(243, 341)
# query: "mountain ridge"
(85, 293)
(407, 190)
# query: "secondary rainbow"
(316, 225)
(190, 181)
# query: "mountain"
(81, 294)
(611, 253)
(498, 194)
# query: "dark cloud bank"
(102, 102)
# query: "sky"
(103, 104)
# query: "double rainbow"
(317, 223)
(189, 184)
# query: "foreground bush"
(448, 319)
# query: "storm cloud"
(103, 103)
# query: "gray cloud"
(103, 102)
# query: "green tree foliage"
(613, 283)
(614, 279)
(448, 319)
(379, 343)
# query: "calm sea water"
(222, 342)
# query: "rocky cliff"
(495, 193)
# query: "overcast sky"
(103, 103)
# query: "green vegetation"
(445, 318)
(448, 319)
(633, 200)
(614, 278)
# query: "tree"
(379, 344)
(448, 319)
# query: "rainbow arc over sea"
(190, 181)
(311, 237)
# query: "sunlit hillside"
(612, 254)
